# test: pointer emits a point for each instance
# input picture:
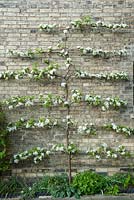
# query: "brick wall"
(19, 21)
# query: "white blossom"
(63, 84)
(65, 31)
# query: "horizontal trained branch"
(104, 151)
(42, 122)
(87, 129)
(31, 54)
(76, 96)
(99, 153)
(105, 103)
(32, 123)
(102, 53)
(91, 129)
(120, 129)
(97, 100)
(86, 21)
(37, 153)
(64, 52)
(48, 72)
(113, 76)
(81, 24)
(47, 101)
(50, 100)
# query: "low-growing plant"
(84, 183)
(123, 180)
(118, 182)
(112, 190)
(89, 182)
(57, 186)
(4, 164)
(11, 187)
(37, 188)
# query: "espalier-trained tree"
(53, 71)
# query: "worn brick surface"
(19, 21)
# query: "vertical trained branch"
(133, 84)
(67, 134)
(68, 111)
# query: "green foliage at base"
(56, 186)
(118, 183)
(89, 182)
(11, 187)
(3, 142)
(85, 183)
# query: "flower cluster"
(106, 76)
(58, 147)
(31, 54)
(68, 62)
(48, 72)
(35, 73)
(107, 152)
(37, 153)
(76, 96)
(109, 26)
(19, 101)
(51, 100)
(63, 84)
(13, 126)
(70, 149)
(49, 28)
(31, 123)
(106, 103)
(64, 53)
(80, 23)
(66, 31)
(120, 129)
(68, 120)
(14, 74)
(47, 101)
(87, 129)
(102, 53)
(86, 21)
